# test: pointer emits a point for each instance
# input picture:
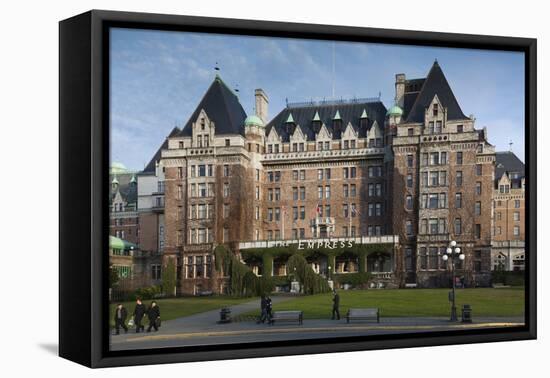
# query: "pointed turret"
(222, 107)
(434, 84)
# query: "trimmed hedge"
(511, 278)
(353, 279)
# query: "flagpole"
(283, 224)
(350, 215)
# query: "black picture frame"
(84, 159)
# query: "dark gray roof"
(434, 84)
(127, 188)
(349, 112)
(223, 107)
(508, 162)
(150, 167)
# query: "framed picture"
(236, 188)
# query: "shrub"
(514, 278)
(150, 292)
(353, 279)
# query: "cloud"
(159, 77)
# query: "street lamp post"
(453, 252)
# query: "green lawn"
(403, 302)
(412, 302)
(177, 307)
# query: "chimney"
(261, 104)
(399, 90)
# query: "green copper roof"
(117, 243)
(316, 117)
(395, 111)
(253, 120)
(118, 168)
(290, 119)
(337, 115)
(364, 114)
(133, 179)
(115, 181)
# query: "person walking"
(263, 308)
(139, 312)
(335, 305)
(120, 319)
(153, 313)
(269, 309)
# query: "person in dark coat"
(139, 312)
(263, 307)
(153, 313)
(335, 305)
(120, 319)
(269, 309)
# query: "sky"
(159, 77)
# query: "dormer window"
(460, 128)
(337, 121)
(203, 124)
(435, 110)
(181, 145)
(363, 120)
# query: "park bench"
(363, 314)
(288, 316)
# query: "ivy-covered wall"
(266, 255)
(243, 282)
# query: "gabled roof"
(434, 84)
(348, 111)
(223, 107)
(508, 162)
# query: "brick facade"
(420, 172)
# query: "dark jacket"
(123, 314)
(268, 304)
(139, 311)
(336, 300)
(263, 303)
(153, 312)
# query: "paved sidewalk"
(203, 329)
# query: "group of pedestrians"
(140, 311)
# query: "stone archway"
(379, 262)
(347, 262)
(255, 264)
